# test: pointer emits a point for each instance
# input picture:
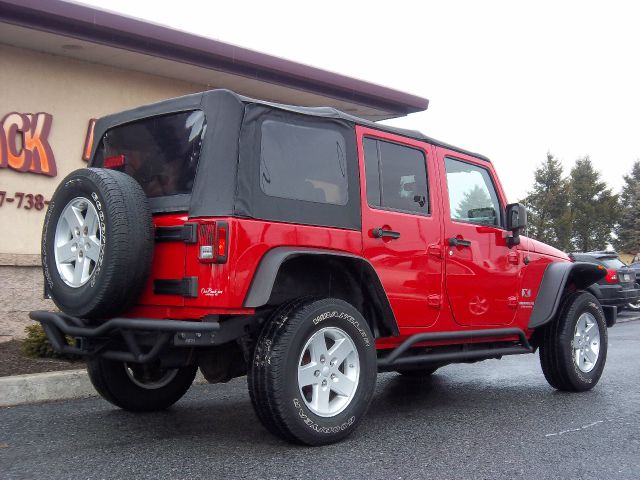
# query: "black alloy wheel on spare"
(97, 243)
(313, 372)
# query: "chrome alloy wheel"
(586, 343)
(77, 242)
(328, 371)
(149, 378)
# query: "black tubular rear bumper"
(138, 340)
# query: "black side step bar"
(396, 358)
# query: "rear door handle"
(459, 242)
(381, 233)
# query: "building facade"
(63, 65)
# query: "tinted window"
(303, 163)
(396, 176)
(613, 263)
(161, 153)
(472, 196)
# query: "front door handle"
(459, 242)
(381, 233)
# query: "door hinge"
(514, 258)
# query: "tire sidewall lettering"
(339, 315)
(103, 237)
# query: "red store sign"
(24, 143)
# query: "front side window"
(161, 153)
(472, 196)
(396, 176)
(303, 163)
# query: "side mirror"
(516, 221)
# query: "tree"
(474, 199)
(548, 205)
(628, 228)
(593, 208)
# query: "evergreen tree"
(548, 205)
(628, 229)
(593, 208)
(474, 198)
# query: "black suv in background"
(618, 288)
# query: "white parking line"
(575, 429)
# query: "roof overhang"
(109, 38)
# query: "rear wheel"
(313, 373)
(574, 350)
(140, 388)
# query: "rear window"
(161, 152)
(303, 163)
(612, 263)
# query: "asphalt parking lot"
(494, 419)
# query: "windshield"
(161, 153)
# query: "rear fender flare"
(554, 281)
(264, 279)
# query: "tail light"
(115, 161)
(612, 276)
(213, 242)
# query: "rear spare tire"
(97, 243)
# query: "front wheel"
(574, 350)
(140, 388)
(314, 371)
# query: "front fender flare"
(555, 278)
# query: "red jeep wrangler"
(306, 248)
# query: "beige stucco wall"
(73, 92)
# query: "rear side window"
(472, 196)
(161, 152)
(303, 163)
(396, 177)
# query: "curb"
(49, 386)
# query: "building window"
(303, 163)
(396, 177)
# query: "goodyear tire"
(97, 243)
(313, 372)
(574, 348)
(139, 388)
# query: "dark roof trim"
(195, 100)
(111, 29)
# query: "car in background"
(635, 266)
(619, 287)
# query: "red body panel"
(431, 286)
(409, 267)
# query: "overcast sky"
(506, 79)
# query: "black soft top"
(227, 182)
(191, 101)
